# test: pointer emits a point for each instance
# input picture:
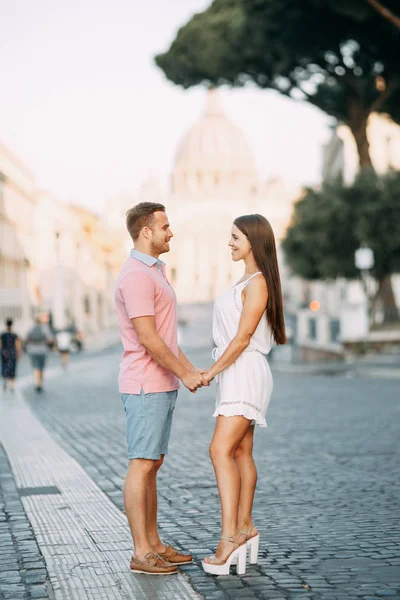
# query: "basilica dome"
(214, 155)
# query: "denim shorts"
(148, 423)
(38, 361)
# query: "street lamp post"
(364, 261)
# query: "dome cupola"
(214, 156)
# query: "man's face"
(161, 233)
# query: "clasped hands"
(196, 379)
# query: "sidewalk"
(359, 368)
(83, 537)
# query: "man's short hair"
(141, 215)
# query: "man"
(151, 367)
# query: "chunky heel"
(237, 557)
(253, 544)
(241, 560)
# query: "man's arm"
(185, 361)
(145, 328)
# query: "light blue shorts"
(148, 423)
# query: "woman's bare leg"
(248, 479)
(229, 432)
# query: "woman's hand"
(207, 376)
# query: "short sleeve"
(137, 292)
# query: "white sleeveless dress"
(245, 387)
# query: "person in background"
(63, 341)
(37, 346)
(11, 351)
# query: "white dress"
(245, 387)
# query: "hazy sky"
(84, 107)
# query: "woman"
(10, 352)
(247, 319)
(63, 342)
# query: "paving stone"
(246, 594)
(36, 576)
(38, 591)
(10, 577)
(34, 565)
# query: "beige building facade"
(55, 258)
(17, 235)
(214, 179)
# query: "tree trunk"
(386, 296)
(358, 127)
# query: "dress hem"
(240, 412)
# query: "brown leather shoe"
(153, 564)
(174, 557)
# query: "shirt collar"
(145, 258)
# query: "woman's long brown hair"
(262, 240)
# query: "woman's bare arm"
(254, 303)
(18, 347)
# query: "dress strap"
(251, 277)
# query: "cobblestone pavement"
(327, 503)
(23, 573)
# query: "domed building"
(214, 158)
(213, 181)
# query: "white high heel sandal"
(252, 544)
(237, 557)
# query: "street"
(327, 500)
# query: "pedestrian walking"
(37, 345)
(11, 351)
(151, 367)
(246, 320)
(63, 342)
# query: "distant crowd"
(40, 340)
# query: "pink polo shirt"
(143, 290)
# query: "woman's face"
(239, 244)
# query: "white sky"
(84, 107)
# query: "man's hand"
(192, 380)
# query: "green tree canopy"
(308, 50)
(329, 225)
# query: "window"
(312, 329)
(334, 330)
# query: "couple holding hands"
(247, 319)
